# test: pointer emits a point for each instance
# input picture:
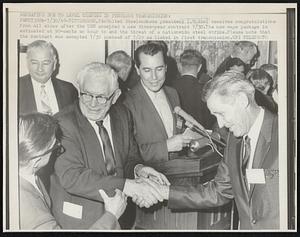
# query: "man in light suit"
(152, 104)
(249, 171)
(100, 152)
(40, 90)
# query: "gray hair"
(43, 45)
(228, 85)
(103, 71)
(118, 60)
(191, 57)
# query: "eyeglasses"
(100, 99)
(56, 149)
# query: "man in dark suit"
(100, 152)
(40, 90)
(246, 51)
(190, 90)
(249, 171)
(152, 105)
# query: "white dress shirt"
(50, 93)
(253, 134)
(106, 124)
(161, 105)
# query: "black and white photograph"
(149, 117)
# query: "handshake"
(148, 188)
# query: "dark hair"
(149, 49)
(260, 79)
(234, 62)
(36, 132)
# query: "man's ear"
(137, 70)
(116, 96)
(54, 64)
(199, 68)
(242, 100)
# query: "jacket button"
(253, 221)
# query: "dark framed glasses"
(56, 149)
(100, 99)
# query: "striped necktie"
(107, 149)
(45, 103)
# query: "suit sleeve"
(214, 193)
(134, 156)
(74, 172)
(107, 222)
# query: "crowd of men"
(120, 118)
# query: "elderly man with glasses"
(100, 153)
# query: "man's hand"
(146, 193)
(116, 204)
(148, 172)
(177, 142)
(163, 190)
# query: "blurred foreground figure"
(37, 140)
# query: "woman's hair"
(261, 80)
(234, 62)
(36, 134)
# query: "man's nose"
(154, 75)
(40, 67)
(94, 101)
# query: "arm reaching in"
(116, 204)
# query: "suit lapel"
(91, 142)
(263, 144)
(153, 112)
(117, 139)
(172, 106)
(57, 93)
(27, 96)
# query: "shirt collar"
(188, 74)
(106, 120)
(38, 84)
(256, 126)
(152, 94)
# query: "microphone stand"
(206, 134)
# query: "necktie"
(246, 155)
(107, 149)
(45, 103)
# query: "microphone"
(197, 127)
(187, 117)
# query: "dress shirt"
(253, 134)
(161, 105)
(50, 93)
(106, 124)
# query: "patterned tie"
(107, 148)
(45, 103)
(246, 155)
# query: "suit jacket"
(80, 171)
(35, 211)
(258, 208)
(149, 129)
(190, 93)
(65, 93)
